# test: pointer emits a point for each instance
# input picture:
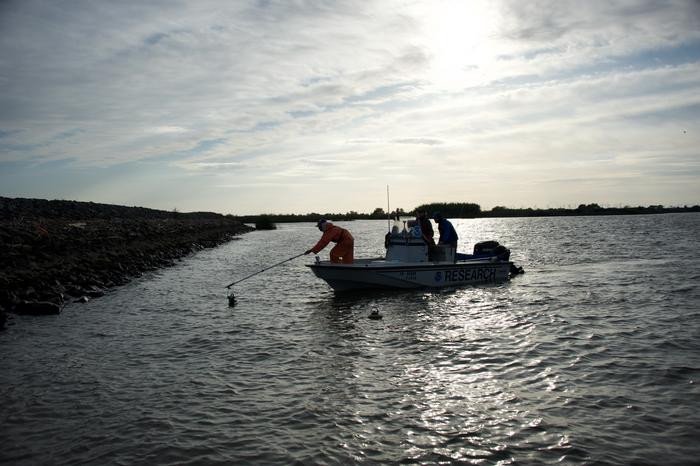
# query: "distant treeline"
(451, 209)
(14, 208)
(587, 209)
(471, 210)
(378, 213)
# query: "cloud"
(601, 24)
(167, 129)
(339, 91)
(215, 165)
(424, 141)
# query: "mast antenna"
(388, 209)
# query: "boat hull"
(384, 274)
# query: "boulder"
(37, 308)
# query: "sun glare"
(459, 37)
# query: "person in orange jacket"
(342, 252)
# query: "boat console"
(408, 246)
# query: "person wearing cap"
(448, 234)
(342, 252)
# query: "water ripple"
(591, 357)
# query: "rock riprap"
(55, 251)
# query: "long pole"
(388, 210)
(267, 268)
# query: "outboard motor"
(492, 248)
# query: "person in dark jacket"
(343, 251)
(448, 234)
(426, 228)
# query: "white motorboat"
(410, 263)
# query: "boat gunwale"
(393, 266)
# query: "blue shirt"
(448, 235)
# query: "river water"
(591, 357)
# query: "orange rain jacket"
(341, 252)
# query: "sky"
(248, 107)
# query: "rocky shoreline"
(53, 252)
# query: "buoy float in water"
(374, 315)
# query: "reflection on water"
(590, 357)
